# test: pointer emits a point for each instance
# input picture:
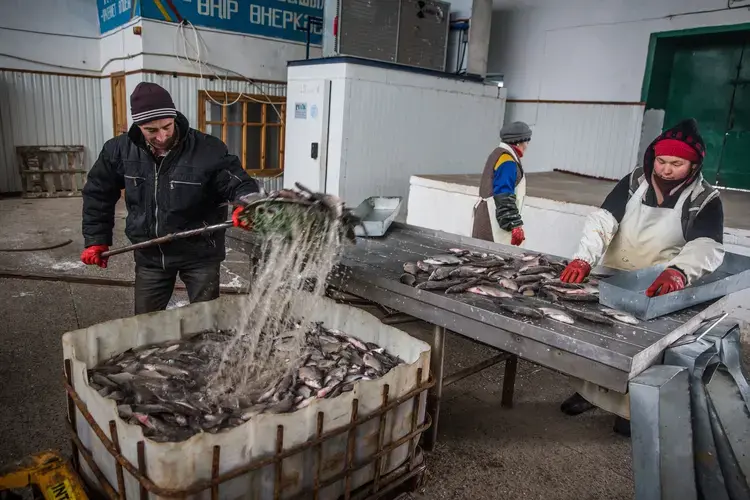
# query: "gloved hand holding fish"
(517, 284)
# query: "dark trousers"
(154, 285)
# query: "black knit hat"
(515, 133)
(150, 102)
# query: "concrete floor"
(484, 452)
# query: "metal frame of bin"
(412, 469)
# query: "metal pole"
(168, 238)
(471, 370)
(434, 395)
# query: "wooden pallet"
(51, 171)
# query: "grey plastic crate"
(376, 213)
(626, 291)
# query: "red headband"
(674, 147)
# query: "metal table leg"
(434, 395)
(509, 381)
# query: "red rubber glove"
(576, 272)
(670, 280)
(517, 236)
(91, 256)
(236, 219)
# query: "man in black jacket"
(175, 178)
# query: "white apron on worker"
(646, 236)
(498, 234)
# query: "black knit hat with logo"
(150, 102)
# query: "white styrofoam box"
(181, 465)
(385, 125)
(442, 206)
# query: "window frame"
(204, 97)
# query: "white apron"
(646, 236)
(499, 235)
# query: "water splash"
(289, 276)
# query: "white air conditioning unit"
(408, 32)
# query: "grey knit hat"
(515, 133)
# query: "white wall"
(586, 50)
(590, 50)
(64, 39)
(249, 56)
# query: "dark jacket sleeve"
(709, 223)
(506, 211)
(617, 199)
(230, 181)
(100, 195)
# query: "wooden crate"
(51, 171)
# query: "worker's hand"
(517, 236)
(239, 223)
(576, 271)
(670, 280)
(92, 256)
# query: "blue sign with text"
(115, 13)
(284, 19)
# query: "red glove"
(92, 256)
(576, 271)
(517, 236)
(670, 280)
(236, 219)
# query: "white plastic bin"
(178, 466)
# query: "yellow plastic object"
(48, 471)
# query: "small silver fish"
(121, 378)
(411, 268)
(311, 376)
(620, 316)
(372, 362)
(356, 343)
(557, 315)
(442, 260)
(489, 291)
(441, 273)
(508, 284)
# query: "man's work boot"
(622, 426)
(575, 405)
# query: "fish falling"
(265, 362)
(165, 388)
(517, 284)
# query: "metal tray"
(376, 213)
(626, 291)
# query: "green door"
(702, 82)
(734, 170)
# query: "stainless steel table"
(608, 356)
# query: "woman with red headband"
(661, 213)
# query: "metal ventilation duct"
(409, 32)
